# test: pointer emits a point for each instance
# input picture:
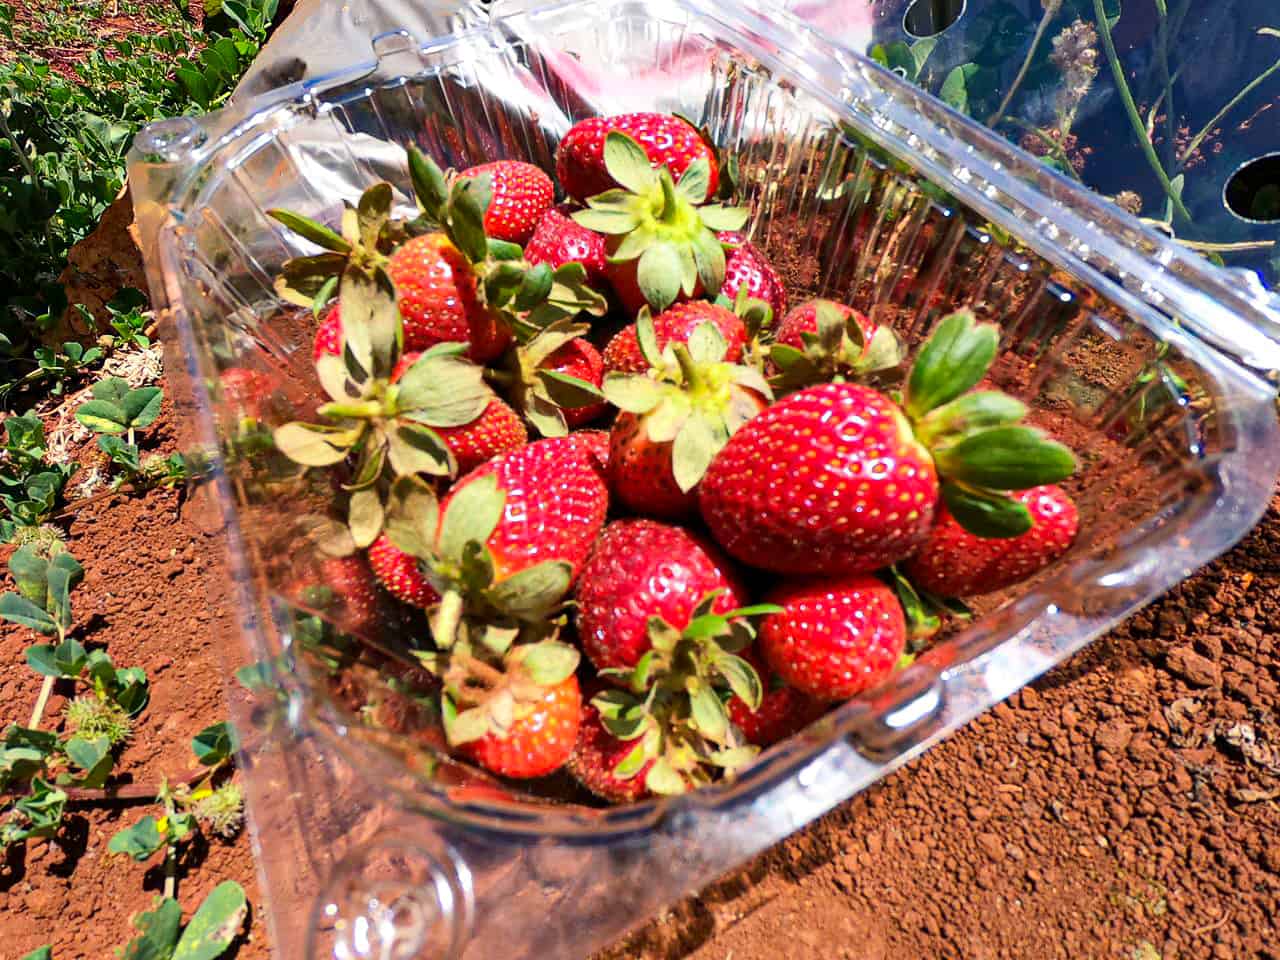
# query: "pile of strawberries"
(736, 516)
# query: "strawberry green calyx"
(673, 706)
(363, 245)
(977, 441)
(691, 397)
(837, 351)
(530, 297)
(541, 393)
(661, 224)
(924, 611)
(385, 427)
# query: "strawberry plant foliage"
(208, 934)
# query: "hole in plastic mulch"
(1253, 192)
(928, 18)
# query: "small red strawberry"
(353, 588)
(641, 569)
(834, 638)
(956, 563)
(822, 340)
(746, 266)
(520, 194)
(674, 325)
(783, 710)
(804, 319)
(401, 574)
(245, 391)
(659, 228)
(496, 430)
(838, 479)
(539, 739)
(666, 140)
(578, 358)
(596, 443)
(328, 334)
(438, 298)
(596, 757)
(557, 240)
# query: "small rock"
(1030, 699)
(1114, 736)
(1192, 667)
(991, 845)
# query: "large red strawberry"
(834, 638)
(837, 478)
(496, 430)
(675, 419)
(438, 299)
(596, 757)
(783, 710)
(520, 194)
(540, 737)
(401, 574)
(956, 563)
(666, 140)
(641, 569)
(674, 325)
(596, 442)
(745, 266)
(329, 334)
(659, 229)
(558, 240)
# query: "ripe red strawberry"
(641, 569)
(557, 240)
(640, 474)
(245, 391)
(328, 334)
(596, 443)
(622, 277)
(353, 588)
(746, 266)
(520, 194)
(400, 574)
(539, 740)
(554, 509)
(580, 359)
(597, 754)
(675, 324)
(956, 563)
(666, 140)
(828, 480)
(783, 710)
(497, 429)
(436, 291)
(834, 638)
(804, 319)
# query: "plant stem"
(1162, 52)
(42, 701)
(1198, 139)
(1050, 11)
(1207, 247)
(503, 378)
(1131, 108)
(171, 870)
(1058, 151)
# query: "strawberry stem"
(42, 701)
(444, 625)
(502, 378)
(687, 366)
(668, 194)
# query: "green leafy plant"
(187, 808)
(208, 934)
(30, 488)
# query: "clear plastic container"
(1155, 366)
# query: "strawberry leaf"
(18, 609)
(1006, 458)
(664, 779)
(609, 221)
(465, 726)
(413, 515)
(429, 184)
(986, 513)
(302, 279)
(216, 924)
(535, 285)
(952, 361)
(365, 516)
(719, 218)
(568, 391)
(707, 344)
(708, 255)
(708, 714)
(140, 842)
(546, 663)
(474, 510)
(742, 679)
(970, 413)
(658, 275)
(317, 233)
(533, 592)
(466, 222)
(694, 182)
(373, 210)
(695, 446)
(633, 762)
(628, 164)
(632, 393)
(415, 448)
(647, 338)
(312, 445)
(443, 391)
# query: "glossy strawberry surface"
(595, 756)
(436, 291)
(580, 359)
(956, 563)
(622, 353)
(329, 334)
(557, 240)
(400, 574)
(783, 710)
(834, 637)
(556, 500)
(641, 569)
(666, 139)
(540, 739)
(828, 480)
(640, 472)
(520, 194)
(746, 266)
